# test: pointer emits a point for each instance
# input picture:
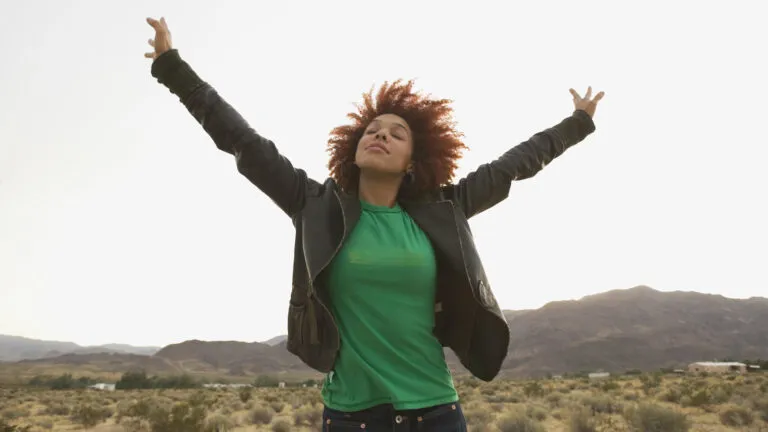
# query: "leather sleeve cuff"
(174, 73)
(588, 125)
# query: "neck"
(379, 190)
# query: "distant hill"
(637, 328)
(276, 340)
(16, 348)
(109, 362)
(234, 358)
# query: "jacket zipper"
(313, 329)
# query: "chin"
(377, 167)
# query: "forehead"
(387, 120)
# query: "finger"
(151, 42)
(154, 23)
(589, 93)
(598, 97)
(575, 94)
(165, 24)
(149, 55)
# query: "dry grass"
(645, 404)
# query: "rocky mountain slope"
(637, 328)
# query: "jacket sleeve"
(257, 158)
(490, 183)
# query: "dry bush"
(536, 412)
(309, 415)
(260, 415)
(56, 409)
(478, 416)
(89, 415)
(281, 425)
(15, 413)
(734, 415)
(517, 421)
(582, 420)
(220, 423)
(650, 417)
(602, 404)
(554, 400)
(245, 394)
(7, 427)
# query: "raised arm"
(489, 184)
(257, 158)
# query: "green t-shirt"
(382, 290)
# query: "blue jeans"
(381, 418)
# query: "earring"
(409, 178)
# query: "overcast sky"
(120, 221)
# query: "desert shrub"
(699, 398)
(245, 394)
(582, 421)
(602, 404)
(182, 417)
(650, 382)
(517, 421)
(734, 415)
(260, 415)
(277, 407)
(511, 397)
(44, 424)
(89, 415)
(7, 427)
(631, 396)
(536, 412)
(672, 395)
(270, 397)
(533, 389)
(760, 406)
(609, 386)
(15, 413)
(721, 394)
(281, 425)
(554, 399)
(219, 423)
(56, 409)
(266, 381)
(649, 417)
(479, 417)
(309, 415)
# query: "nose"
(381, 135)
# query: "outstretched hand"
(586, 103)
(162, 41)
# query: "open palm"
(586, 103)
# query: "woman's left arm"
(489, 184)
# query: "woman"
(385, 269)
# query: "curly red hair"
(437, 145)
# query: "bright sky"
(120, 221)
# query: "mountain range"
(15, 348)
(636, 328)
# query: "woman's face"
(386, 146)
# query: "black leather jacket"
(467, 317)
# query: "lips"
(378, 146)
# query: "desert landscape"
(649, 402)
(616, 361)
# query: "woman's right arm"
(257, 158)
